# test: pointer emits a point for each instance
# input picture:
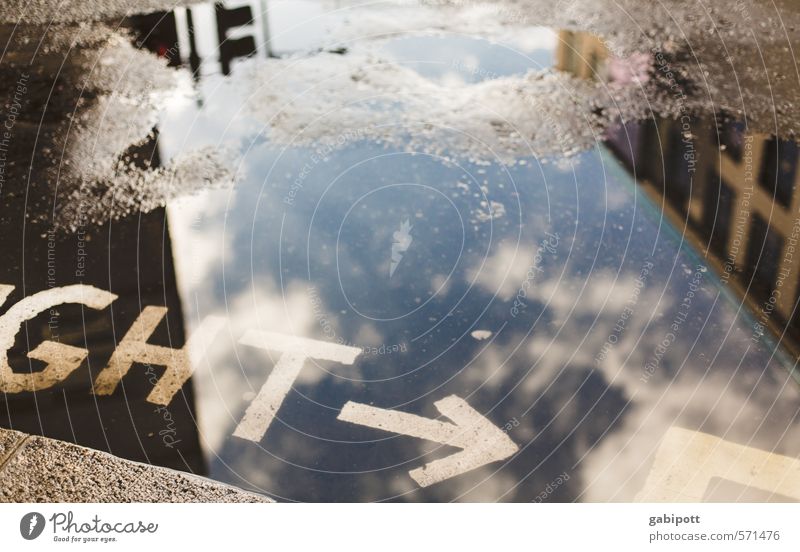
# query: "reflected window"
(763, 256)
(779, 169)
(678, 183)
(717, 213)
(794, 322)
(731, 138)
(650, 162)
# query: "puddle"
(459, 60)
(536, 237)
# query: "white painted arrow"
(481, 441)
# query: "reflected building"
(39, 255)
(732, 195)
(581, 54)
(138, 267)
(729, 191)
(139, 270)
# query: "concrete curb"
(38, 469)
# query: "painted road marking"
(179, 363)
(482, 442)
(295, 350)
(61, 359)
(687, 461)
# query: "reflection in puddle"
(490, 232)
(459, 60)
(124, 424)
(730, 193)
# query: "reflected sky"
(320, 268)
(556, 271)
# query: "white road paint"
(179, 363)
(61, 359)
(5, 291)
(481, 441)
(295, 350)
(687, 461)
